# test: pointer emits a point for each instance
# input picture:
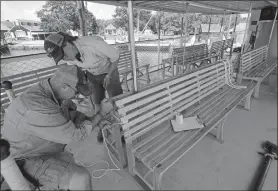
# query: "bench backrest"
(143, 111)
(24, 80)
(125, 61)
(217, 47)
(194, 49)
(190, 53)
(252, 58)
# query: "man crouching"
(39, 124)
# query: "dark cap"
(53, 46)
(73, 76)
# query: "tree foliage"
(63, 16)
(121, 18)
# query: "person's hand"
(103, 123)
(80, 118)
(106, 81)
(106, 107)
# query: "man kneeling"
(39, 124)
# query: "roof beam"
(272, 3)
(198, 4)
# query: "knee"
(81, 179)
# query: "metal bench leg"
(130, 159)
(116, 131)
(147, 74)
(157, 180)
(239, 78)
(125, 81)
(257, 89)
(163, 71)
(218, 135)
(247, 102)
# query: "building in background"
(110, 30)
(6, 35)
(28, 30)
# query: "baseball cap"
(73, 76)
(53, 46)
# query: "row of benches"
(152, 147)
(186, 58)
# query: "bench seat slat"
(158, 144)
(148, 141)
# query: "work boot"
(99, 137)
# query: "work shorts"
(51, 172)
(113, 89)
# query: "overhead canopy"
(205, 7)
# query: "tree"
(121, 18)
(63, 16)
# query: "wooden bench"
(228, 47)
(184, 57)
(125, 67)
(254, 65)
(152, 147)
(217, 49)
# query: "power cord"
(106, 170)
(228, 74)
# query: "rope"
(228, 74)
(106, 170)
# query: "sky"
(12, 10)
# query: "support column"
(132, 44)
(209, 26)
(181, 31)
(158, 32)
(274, 21)
(246, 28)
(81, 16)
(230, 21)
(235, 24)
(138, 20)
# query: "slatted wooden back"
(190, 53)
(252, 58)
(217, 47)
(24, 80)
(194, 49)
(143, 111)
(125, 61)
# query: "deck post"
(246, 28)
(81, 16)
(181, 31)
(184, 39)
(158, 47)
(229, 25)
(132, 44)
(222, 21)
(235, 24)
(209, 25)
(274, 21)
